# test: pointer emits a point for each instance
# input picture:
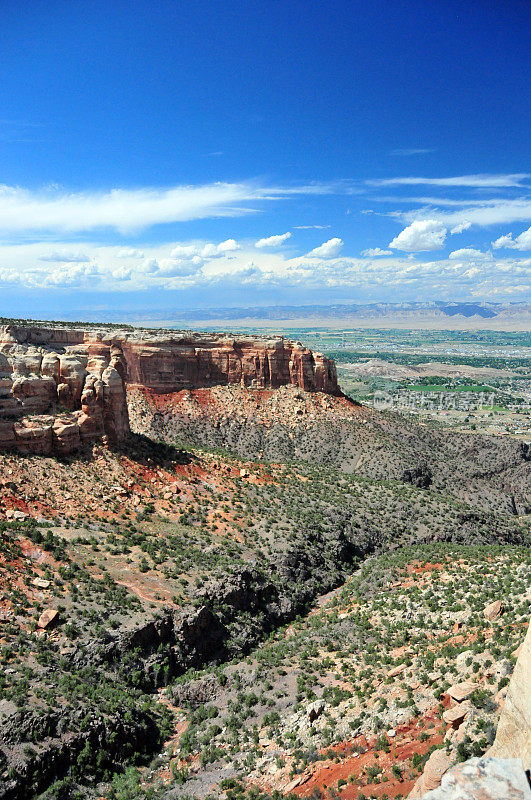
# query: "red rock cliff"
(61, 387)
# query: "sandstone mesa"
(61, 388)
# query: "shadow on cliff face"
(139, 447)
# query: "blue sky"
(166, 154)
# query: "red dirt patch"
(402, 748)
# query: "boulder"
(315, 709)
(396, 670)
(15, 513)
(90, 425)
(436, 765)
(40, 583)
(47, 617)
(460, 691)
(493, 610)
(456, 713)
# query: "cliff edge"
(513, 735)
(62, 387)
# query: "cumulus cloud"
(421, 235)
(130, 252)
(150, 265)
(122, 274)
(476, 181)
(198, 252)
(244, 274)
(376, 251)
(470, 254)
(273, 241)
(329, 249)
(10, 276)
(175, 267)
(73, 276)
(468, 271)
(522, 242)
(172, 267)
(185, 251)
(228, 246)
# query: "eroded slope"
(156, 561)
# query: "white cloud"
(462, 226)
(473, 272)
(311, 227)
(401, 275)
(60, 211)
(73, 276)
(483, 213)
(11, 276)
(329, 249)
(174, 267)
(150, 265)
(470, 254)
(421, 235)
(130, 252)
(376, 251)
(65, 257)
(411, 151)
(522, 242)
(185, 251)
(273, 241)
(122, 274)
(477, 181)
(200, 251)
(228, 246)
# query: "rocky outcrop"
(513, 735)
(191, 361)
(484, 779)
(437, 764)
(57, 394)
(63, 387)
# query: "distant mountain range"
(435, 314)
(343, 310)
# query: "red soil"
(402, 748)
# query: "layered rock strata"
(62, 387)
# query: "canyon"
(220, 572)
(63, 387)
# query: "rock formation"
(61, 387)
(513, 735)
(483, 779)
(437, 764)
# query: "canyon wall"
(63, 387)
